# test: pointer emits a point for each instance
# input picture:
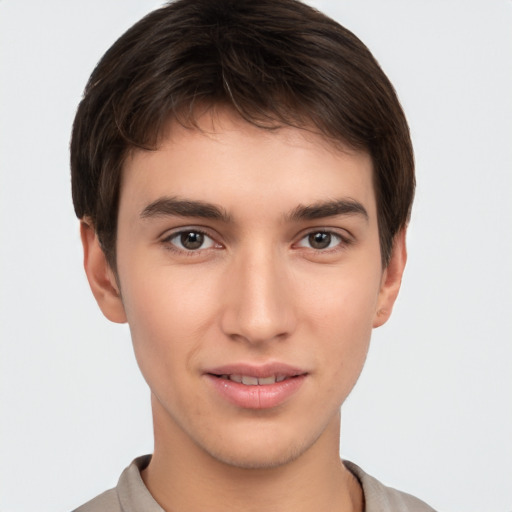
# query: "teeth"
(249, 380)
(268, 380)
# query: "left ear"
(391, 280)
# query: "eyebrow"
(328, 209)
(169, 206)
(166, 206)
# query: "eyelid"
(167, 237)
(345, 238)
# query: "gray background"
(432, 412)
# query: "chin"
(257, 459)
(250, 452)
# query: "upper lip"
(257, 370)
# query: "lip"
(261, 396)
(257, 370)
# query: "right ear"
(101, 277)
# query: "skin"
(257, 291)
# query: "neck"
(316, 480)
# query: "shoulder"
(130, 495)
(105, 502)
(380, 498)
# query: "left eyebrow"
(328, 209)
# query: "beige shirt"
(131, 495)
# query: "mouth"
(251, 380)
(256, 387)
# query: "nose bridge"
(259, 304)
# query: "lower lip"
(263, 396)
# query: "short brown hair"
(276, 62)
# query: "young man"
(244, 175)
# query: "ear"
(391, 280)
(102, 279)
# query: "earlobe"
(101, 277)
(391, 280)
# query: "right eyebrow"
(173, 206)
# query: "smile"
(256, 387)
(249, 380)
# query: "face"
(250, 274)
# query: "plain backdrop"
(432, 412)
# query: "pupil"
(192, 240)
(320, 240)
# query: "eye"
(321, 240)
(191, 240)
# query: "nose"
(258, 300)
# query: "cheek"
(344, 301)
(341, 320)
(168, 313)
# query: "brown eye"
(320, 240)
(192, 240)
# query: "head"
(244, 176)
(276, 63)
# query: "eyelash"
(172, 246)
(343, 241)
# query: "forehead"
(229, 161)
